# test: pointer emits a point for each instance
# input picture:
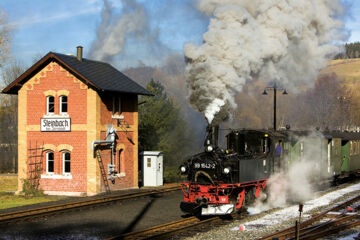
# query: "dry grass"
(8, 183)
(346, 69)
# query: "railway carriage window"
(63, 104)
(66, 162)
(49, 162)
(254, 144)
(265, 145)
(50, 108)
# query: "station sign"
(55, 124)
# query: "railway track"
(41, 211)
(309, 228)
(314, 228)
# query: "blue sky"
(40, 26)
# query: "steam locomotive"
(221, 181)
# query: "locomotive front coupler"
(202, 200)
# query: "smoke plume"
(282, 41)
(115, 31)
(296, 183)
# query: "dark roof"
(304, 133)
(102, 76)
(343, 135)
(271, 132)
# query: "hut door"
(345, 155)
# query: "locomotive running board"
(222, 209)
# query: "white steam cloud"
(282, 41)
(297, 183)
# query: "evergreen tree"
(161, 127)
(352, 50)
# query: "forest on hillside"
(352, 50)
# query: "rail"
(160, 231)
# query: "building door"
(159, 171)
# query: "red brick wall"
(126, 161)
(123, 133)
(77, 164)
(127, 108)
(56, 80)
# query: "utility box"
(152, 168)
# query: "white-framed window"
(63, 104)
(50, 104)
(49, 162)
(66, 163)
(116, 105)
(120, 106)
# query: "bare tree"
(8, 120)
(328, 103)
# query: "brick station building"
(65, 103)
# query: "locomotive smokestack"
(212, 135)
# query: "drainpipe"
(110, 140)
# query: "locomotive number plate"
(205, 165)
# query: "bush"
(172, 175)
(30, 190)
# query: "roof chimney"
(79, 53)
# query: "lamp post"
(275, 88)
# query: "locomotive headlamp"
(209, 148)
(183, 169)
(227, 170)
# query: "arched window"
(49, 162)
(66, 162)
(50, 105)
(63, 104)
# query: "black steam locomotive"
(222, 181)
